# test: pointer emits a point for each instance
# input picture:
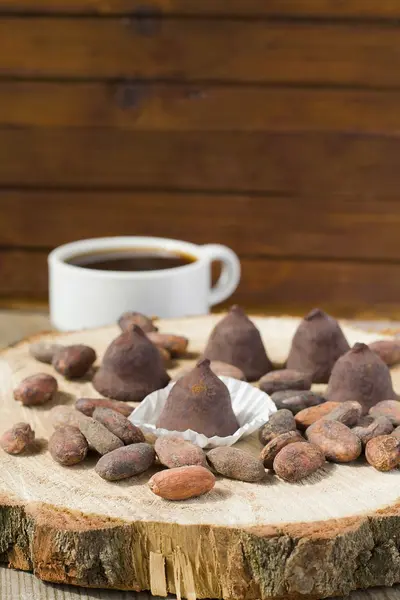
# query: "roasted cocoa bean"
(298, 461)
(98, 436)
(36, 389)
(17, 439)
(176, 345)
(383, 452)
(88, 405)
(279, 422)
(387, 408)
(387, 350)
(74, 361)
(299, 401)
(308, 416)
(175, 452)
(182, 483)
(284, 379)
(68, 446)
(236, 464)
(335, 440)
(119, 425)
(44, 351)
(126, 462)
(378, 426)
(348, 413)
(272, 449)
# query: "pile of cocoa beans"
(299, 438)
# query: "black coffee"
(140, 259)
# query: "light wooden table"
(17, 585)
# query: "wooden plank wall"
(271, 126)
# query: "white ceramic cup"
(82, 298)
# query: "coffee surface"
(131, 260)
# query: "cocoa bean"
(128, 319)
(126, 462)
(396, 433)
(387, 350)
(383, 452)
(17, 439)
(98, 436)
(74, 361)
(283, 394)
(176, 452)
(236, 464)
(279, 422)
(88, 405)
(176, 345)
(378, 426)
(387, 408)
(298, 461)
(297, 401)
(44, 351)
(182, 483)
(36, 389)
(308, 416)
(119, 425)
(68, 446)
(348, 413)
(335, 440)
(284, 379)
(273, 448)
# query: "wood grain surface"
(292, 163)
(17, 585)
(24, 586)
(75, 529)
(200, 49)
(388, 9)
(147, 106)
(271, 127)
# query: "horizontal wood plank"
(344, 288)
(320, 8)
(23, 274)
(191, 107)
(200, 49)
(285, 163)
(340, 227)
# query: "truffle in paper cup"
(251, 406)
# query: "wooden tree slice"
(335, 532)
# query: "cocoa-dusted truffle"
(236, 340)
(199, 401)
(360, 376)
(316, 346)
(131, 369)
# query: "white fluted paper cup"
(251, 406)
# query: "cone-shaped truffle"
(132, 368)
(199, 401)
(236, 340)
(360, 375)
(316, 346)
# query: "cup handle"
(230, 275)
